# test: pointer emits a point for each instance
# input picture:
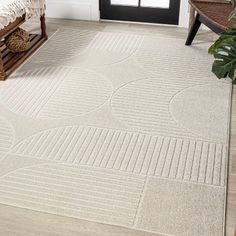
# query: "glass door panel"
(155, 3)
(125, 2)
(153, 11)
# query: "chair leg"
(194, 29)
(43, 27)
(191, 17)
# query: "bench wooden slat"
(10, 61)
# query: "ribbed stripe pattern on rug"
(6, 137)
(168, 157)
(42, 97)
(123, 129)
(81, 192)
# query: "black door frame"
(141, 14)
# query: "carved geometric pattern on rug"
(174, 61)
(182, 209)
(174, 158)
(161, 106)
(94, 49)
(6, 137)
(87, 193)
(113, 42)
(64, 44)
(55, 92)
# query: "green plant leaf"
(224, 51)
(218, 43)
(222, 39)
(230, 31)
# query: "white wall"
(184, 13)
(73, 9)
(89, 10)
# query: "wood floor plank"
(21, 222)
(231, 206)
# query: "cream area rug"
(123, 129)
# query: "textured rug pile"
(123, 129)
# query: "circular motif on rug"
(55, 92)
(204, 110)
(144, 105)
(108, 48)
(64, 44)
(86, 48)
(6, 137)
(173, 60)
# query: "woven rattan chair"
(213, 14)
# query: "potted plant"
(224, 52)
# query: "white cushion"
(11, 9)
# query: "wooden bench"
(10, 61)
(213, 14)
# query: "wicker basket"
(18, 41)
